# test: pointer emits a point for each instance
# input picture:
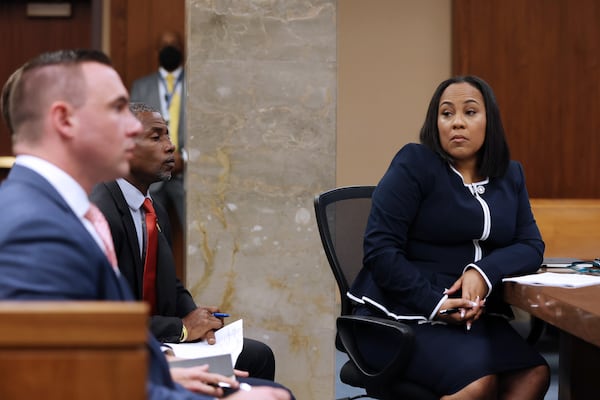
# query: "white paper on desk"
(230, 340)
(556, 279)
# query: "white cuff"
(485, 278)
(439, 304)
(166, 349)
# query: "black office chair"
(342, 215)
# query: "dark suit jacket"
(145, 90)
(173, 301)
(46, 253)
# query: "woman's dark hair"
(494, 155)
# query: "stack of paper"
(230, 340)
(556, 279)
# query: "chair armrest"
(397, 337)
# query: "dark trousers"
(257, 358)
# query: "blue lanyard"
(169, 95)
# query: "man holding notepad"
(175, 317)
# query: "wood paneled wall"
(24, 37)
(542, 58)
(135, 29)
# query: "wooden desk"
(576, 312)
(568, 226)
(73, 350)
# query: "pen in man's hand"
(220, 315)
(448, 311)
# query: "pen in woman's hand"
(448, 311)
(453, 310)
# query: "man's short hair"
(137, 107)
(68, 56)
(16, 96)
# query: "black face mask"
(170, 58)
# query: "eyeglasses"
(586, 266)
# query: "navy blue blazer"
(426, 225)
(46, 253)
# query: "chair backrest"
(342, 215)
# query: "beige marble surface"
(261, 79)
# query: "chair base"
(350, 375)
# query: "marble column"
(261, 109)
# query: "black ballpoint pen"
(448, 311)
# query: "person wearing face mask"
(165, 91)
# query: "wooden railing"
(73, 350)
(570, 227)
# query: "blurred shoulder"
(145, 82)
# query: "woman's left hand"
(474, 289)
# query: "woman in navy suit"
(450, 218)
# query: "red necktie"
(95, 216)
(149, 288)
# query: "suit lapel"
(24, 174)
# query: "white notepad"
(556, 279)
(230, 340)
